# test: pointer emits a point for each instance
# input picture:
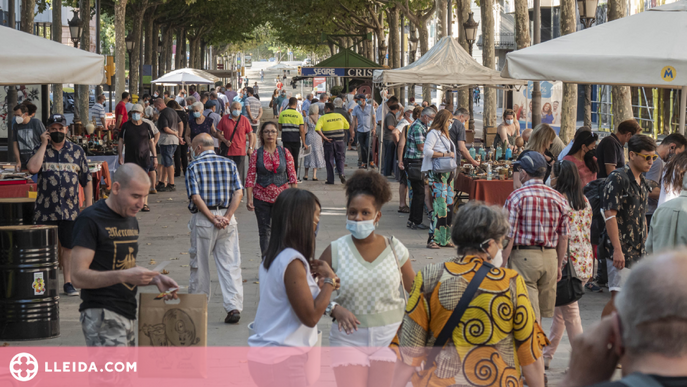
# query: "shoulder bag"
(454, 320)
(390, 241)
(569, 288)
(223, 148)
(444, 164)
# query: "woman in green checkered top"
(368, 308)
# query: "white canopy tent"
(282, 66)
(447, 64)
(33, 60)
(641, 50)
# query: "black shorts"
(64, 231)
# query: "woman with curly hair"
(438, 144)
(497, 340)
(369, 306)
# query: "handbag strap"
(389, 241)
(454, 320)
(450, 147)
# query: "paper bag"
(176, 334)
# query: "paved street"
(165, 236)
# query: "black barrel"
(29, 298)
(17, 211)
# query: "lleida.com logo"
(23, 367)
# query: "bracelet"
(330, 281)
(153, 157)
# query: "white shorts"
(616, 277)
(362, 346)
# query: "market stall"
(639, 50)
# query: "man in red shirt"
(539, 217)
(279, 85)
(121, 114)
(232, 131)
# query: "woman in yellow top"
(497, 339)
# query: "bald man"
(647, 335)
(526, 135)
(214, 191)
(104, 261)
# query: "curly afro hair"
(368, 183)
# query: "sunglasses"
(648, 157)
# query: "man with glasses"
(624, 205)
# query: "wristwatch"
(330, 308)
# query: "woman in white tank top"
(369, 306)
(291, 300)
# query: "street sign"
(220, 66)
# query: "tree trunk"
(569, 104)
(27, 14)
(462, 10)
(155, 58)
(57, 101)
(489, 61)
(120, 47)
(149, 44)
(81, 97)
(522, 24)
(394, 43)
(166, 49)
(622, 103)
(441, 19)
(424, 47)
(588, 106)
(135, 55)
(181, 39)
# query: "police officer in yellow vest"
(331, 127)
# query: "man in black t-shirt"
(104, 261)
(647, 336)
(137, 143)
(610, 153)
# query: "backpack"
(594, 194)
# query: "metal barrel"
(29, 298)
(17, 211)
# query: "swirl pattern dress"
(497, 334)
(313, 140)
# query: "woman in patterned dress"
(369, 306)
(566, 180)
(438, 144)
(316, 158)
(497, 340)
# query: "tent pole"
(683, 105)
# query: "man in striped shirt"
(214, 190)
(292, 130)
(539, 217)
(98, 111)
(331, 127)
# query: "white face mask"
(509, 122)
(362, 229)
(496, 260)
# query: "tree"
(462, 11)
(120, 46)
(622, 99)
(57, 102)
(522, 25)
(82, 92)
(27, 15)
(488, 60)
(569, 103)
(419, 14)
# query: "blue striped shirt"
(214, 178)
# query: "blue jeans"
(167, 153)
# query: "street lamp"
(587, 10)
(129, 40)
(470, 27)
(75, 29)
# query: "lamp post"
(130, 45)
(587, 9)
(470, 27)
(75, 29)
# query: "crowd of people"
(587, 208)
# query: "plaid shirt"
(537, 215)
(214, 178)
(416, 136)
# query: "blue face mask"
(197, 114)
(360, 102)
(235, 113)
(136, 116)
(362, 229)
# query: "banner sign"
(551, 97)
(353, 72)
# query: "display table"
(112, 161)
(489, 191)
(16, 188)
